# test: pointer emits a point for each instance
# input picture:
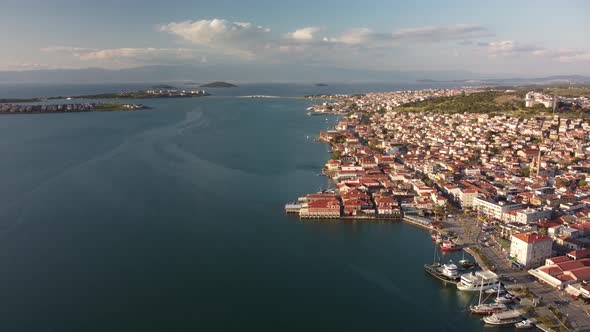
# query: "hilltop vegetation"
(565, 91)
(482, 102)
(218, 85)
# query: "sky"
(527, 38)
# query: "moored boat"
(445, 272)
(506, 298)
(448, 245)
(504, 318)
(476, 281)
(525, 324)
(465, 263)
(487, 308)
(483, 308)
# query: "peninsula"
(500, 173)
(155, 92)
(219, 85)
(68, 108)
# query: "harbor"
(369, 183)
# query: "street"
(469, 229)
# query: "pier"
(418, 221)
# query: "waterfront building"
(321, 208)
(493, 209)
(563, 271)
(530, 249)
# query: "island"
(320, 84)
(219, 85)
(154, 92)
(68, 108)
(21, 100)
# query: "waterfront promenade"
(469, 229)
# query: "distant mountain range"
(559, 79)
(264, 73)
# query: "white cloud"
(579, 57)
(356, 36)
(442, 33)
(510, 48)
(304, 34)
(428, 34)
(241, 38)
(136, 54)
(126, 55)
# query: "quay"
(418, 221)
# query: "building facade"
(530, 249)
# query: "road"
(470, 231)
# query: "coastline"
(14, 109)
(356, 161)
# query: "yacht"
(476, 281)
(445, 272)
(450, 270)
(504, 318)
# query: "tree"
(562, 183)
(582, 183)
(336, 154)
(526, 172)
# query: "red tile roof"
(571, 265)
(582, 273)
(559, 259)
(578, 254)
(531, 237)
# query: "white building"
(494, 209)
(526, 216)
(529, 100)
(530, 249)
(466, 197)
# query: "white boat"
(506, 298)
(476, 281)
(445, 272)
(487, 308)
(504, 318)
(450, 270)
(525, 324)
(496, 289)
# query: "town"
(522, 181)
(67, 108)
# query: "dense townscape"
(524, 177)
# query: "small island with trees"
(219, 85)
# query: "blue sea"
(171, 219)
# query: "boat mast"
(480, 290)
(434, 255)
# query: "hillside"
(218, 85)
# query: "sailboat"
(487, 308)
